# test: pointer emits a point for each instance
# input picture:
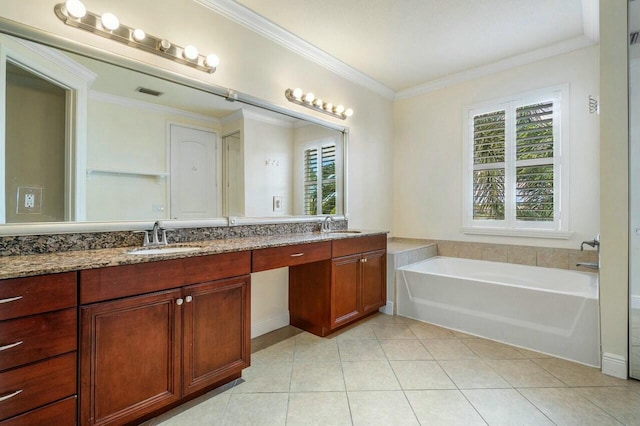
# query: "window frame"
(510, 226)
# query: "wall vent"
(150, 92)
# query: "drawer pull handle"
(11, 395)
(11, 299)
(188, 299)
(297, 254)
(12, 345)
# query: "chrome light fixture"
(75, 14)
(309, 100)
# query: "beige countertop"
(39, 264)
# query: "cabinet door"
(345, 297)
(373, 280)
(216, 332)
(130, 357)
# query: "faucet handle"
(145, 241)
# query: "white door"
(195, 169)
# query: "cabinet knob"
(363, 260)
(188, 299)
(179, 302)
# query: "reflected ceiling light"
(75, 14)
(297, 96)
(138, 34)
(75, 8)
(110, 21)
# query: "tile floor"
(390, 370)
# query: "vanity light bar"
(73, 13)
(310, 101)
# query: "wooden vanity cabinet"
(142, 353)
(327, 295)
(38, 342)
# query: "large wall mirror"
(88, 140)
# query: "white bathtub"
(552, 311)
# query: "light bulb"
(339, 109)
(76, 8)
(212, 60)
(309, 97)
(138, 34)
(318, 102)
(190, 52)
(348, 112)
(328, 106)
(297, 93)
(110, 21)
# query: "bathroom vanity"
(128, 336)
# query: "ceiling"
(401, 47)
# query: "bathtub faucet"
(595, 243)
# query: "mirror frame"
(22, 31)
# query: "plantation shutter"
(489, 166)
(534, 162)
(311, 181)
(320, 180)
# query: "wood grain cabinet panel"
(36, 337)
(33, 295)
(129, 357)
(279, 257)
(25, 388)
(216, 332)
(345, 290)
(373, 276)
(60, 413)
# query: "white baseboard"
(614, 365)
(265, 326)
(388, 308)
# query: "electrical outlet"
(29, 201)
(277, 203)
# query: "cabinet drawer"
(61, 413)
(278, 257)
(33, 295)
(114, 282)
(348, 246)
(25, 388)
(36, 337)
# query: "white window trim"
(559, 228)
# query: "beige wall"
(614, 199)
(429, 140)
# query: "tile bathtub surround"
(524, 255)
(42, 244)
(389, 370)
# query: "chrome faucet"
(326, 224)
(157, 236)
(595, 243)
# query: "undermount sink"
(345, 231)
(148, 251)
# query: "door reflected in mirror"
(92, 141)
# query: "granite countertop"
(39, 264)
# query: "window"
(514, 165)
(320, 180)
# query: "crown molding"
(503, 65)
(60, 59)
(255, 22)
(148, 106)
